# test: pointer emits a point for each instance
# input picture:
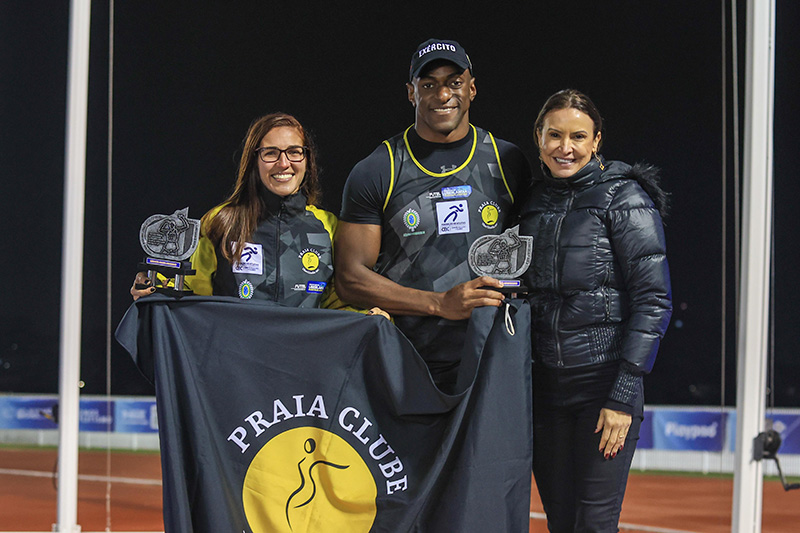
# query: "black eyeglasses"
(295, 154)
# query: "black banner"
(279, 419)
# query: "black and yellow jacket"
(289, 259)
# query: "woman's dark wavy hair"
(647, 175)
(237, 220)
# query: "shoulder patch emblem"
(411, 219)
(490, 214)
(310, 260)
(245, 290)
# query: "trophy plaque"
(168, 241)
(504, 257)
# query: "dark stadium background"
(189, 78)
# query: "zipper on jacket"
(557, 277)
(606, 295)
(278, 251)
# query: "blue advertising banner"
(662, 429)
(27, 413)
(118, 415)
(788, 425)
(135, 416)
(95, 415)
(688, 430)
(784, 422)
(646, 432)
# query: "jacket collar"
(272, 203)
(588, 175)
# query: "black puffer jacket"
(599, 281)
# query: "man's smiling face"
(441, 97)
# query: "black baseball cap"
(434, 49)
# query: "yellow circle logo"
(310, 261)
(309, 479)
(489, 215)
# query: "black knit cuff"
(621, 407)
(626, 387)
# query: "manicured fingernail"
(613, 455)
(152, 289)
(607, 456)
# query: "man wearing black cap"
(414, 206)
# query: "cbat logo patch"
(452, 217)
(252, 260)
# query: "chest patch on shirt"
(460, 191)
(317, 287)
(490, 214)
(310, 259)
(252, 261)
(452, 217)
(246, 290)
(411, 219)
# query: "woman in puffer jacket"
(600, 303)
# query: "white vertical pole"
(72, 265)
(754, 290)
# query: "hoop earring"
(599, 161)
(541, 165)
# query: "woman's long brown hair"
(237, 220)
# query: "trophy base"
(510, 286)
(170, 270)
(168, 291)
(175, 293)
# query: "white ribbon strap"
(509, 321)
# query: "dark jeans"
(580, 489)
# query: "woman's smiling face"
(282, 177)
(567, 141)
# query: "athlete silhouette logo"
(454, 211)
(305, 477)
(248, 252)
(310, 445)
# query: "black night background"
(189, 78)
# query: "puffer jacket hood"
(647, 176)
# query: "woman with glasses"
(600, 303)
(269, 240)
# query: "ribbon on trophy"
(504, 257)
(168, 241)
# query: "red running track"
(28, 497)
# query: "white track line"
(627, 527)
(140, 481)
(82, 477)
(636, 527)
